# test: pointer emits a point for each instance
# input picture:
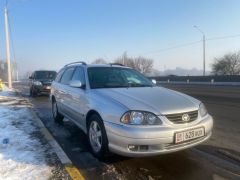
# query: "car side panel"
(58, 92)
(109, 109)
(77, 104)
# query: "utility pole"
(16, 72)
(204, 48)
(8, 49)
(204, 56)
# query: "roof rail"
(118, 64)
(78, 62)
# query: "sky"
(46, 34)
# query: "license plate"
(47, 87)
(189, 135)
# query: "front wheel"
(56, 115)
(33, 93)
(97, 136)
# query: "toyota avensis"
(122, 111)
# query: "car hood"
(158, 100)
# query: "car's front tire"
(33, 93)
(55, 113)
(97, 136)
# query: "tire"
(56, 115)
(97, 136)
(32, 92)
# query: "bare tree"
(141, 64)
(99, 61)
(125, 60)
(229, 64)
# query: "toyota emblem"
(185, 117)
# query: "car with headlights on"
(40, 82)
(124, 112)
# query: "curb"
(67, 163)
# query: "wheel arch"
(89, 114)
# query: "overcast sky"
(50, 33)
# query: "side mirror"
(76, 84)
(154, 81)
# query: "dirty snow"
(22, 156)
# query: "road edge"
(74, 173)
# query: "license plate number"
(188, 135)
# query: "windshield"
(45, 75)
(115, 77)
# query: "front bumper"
(42, 89)
(158, 140)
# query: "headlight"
(140, 118)
(37, 83)
(202, 110)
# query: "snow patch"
(7, 92)
(22, 156)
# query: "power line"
(192, 43)
(223, 37)
(175, 47)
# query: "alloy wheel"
(95, 136)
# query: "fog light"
(133, 147)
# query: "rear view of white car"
(122, 111)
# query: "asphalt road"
(218, 158)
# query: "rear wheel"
(97, 136)
(56, 115)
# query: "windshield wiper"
(122, 86)
(98, 87)
(138, 85)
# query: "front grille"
(177, 118)
(47, 84)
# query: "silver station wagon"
(124, 112)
